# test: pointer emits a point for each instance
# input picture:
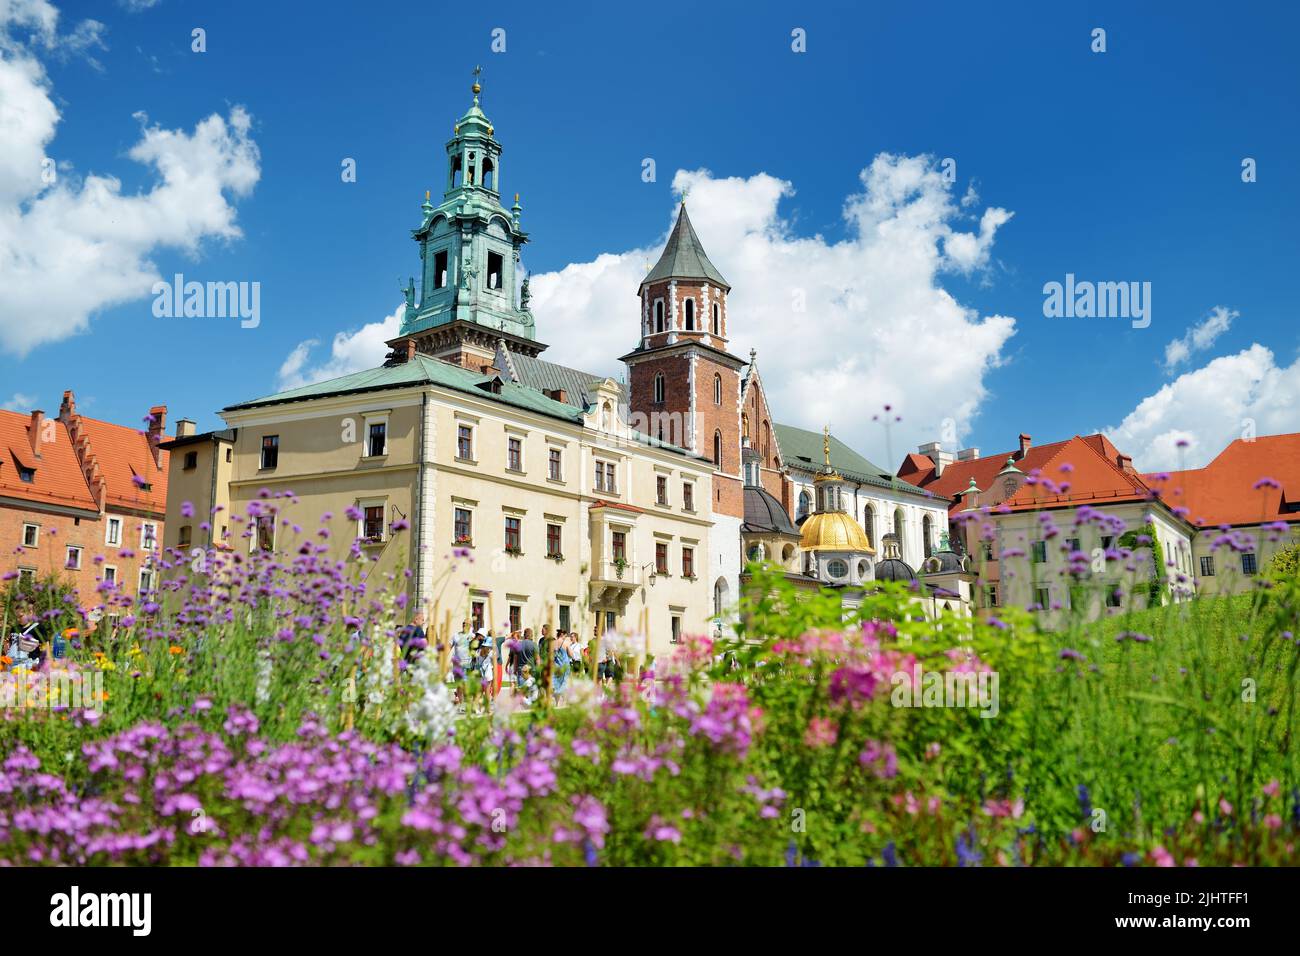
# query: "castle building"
(84, 501)
(516, 491)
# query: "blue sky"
(1115, 166)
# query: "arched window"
(869, 523)
(659, 315)
(717, 319)
(805, 502)
(717, 389)
(766, 450)
(926, 535)
(898, 529)
(606, 416)
(717, 449)
(659, 389)
(690, 315)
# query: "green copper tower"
(471, 295)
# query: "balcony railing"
(609, 572)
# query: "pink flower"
(1225, 807)
(1162, 857)
(821, 732)
(1271, 788)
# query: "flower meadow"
(254, 711)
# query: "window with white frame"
(376, 436)
(555, 464)
(659, 388)
(31, 535)
(146, 580)
(659, 315)
(148, 536)
(110, 574)
(73, 562)
(113, 532)
(263, 534)
(372, 525)
(606, 479)
(27, 575)
(514, 453)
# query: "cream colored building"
(509, 505)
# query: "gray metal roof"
(543, 376)
(684, 257)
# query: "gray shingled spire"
(684, 257)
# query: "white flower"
(262, 691)
(432, 716)
(582, 694)
(623, 644)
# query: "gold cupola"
(830, 527)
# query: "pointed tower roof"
(684, 257)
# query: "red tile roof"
(58, 480)
(601, 503)
(1097, 476)
(123, 453)
(1224, 492)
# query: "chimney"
(68, 409)
(1126, 463)
(968, 454)
(157, 422)
(489, 369)
(934, 451)
(184, 428)
(1024, 446)
(34, 431)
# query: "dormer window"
(25, 474)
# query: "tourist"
(411, 638)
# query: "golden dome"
(833, 531)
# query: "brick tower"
(685, 384)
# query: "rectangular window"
(265, 538)
(661, 557)
(74, 558)
(496, 266)
(110, 574)
(991, 596)
(1042, 598)
(377, 439)
(1040, 552)
(146, 580)
(477, 614)
(553, 549)
(513, 536)
(230, 454)
(113, 532)
(988, 550)
(661, 489)
(1106, 541)
(465, 442)
(464, 529)
(191, 460)
(515, 454)
(556, 466)
(26, 475)
(611, 485)
(27, 575)
(184, 538)
(31, 535)
(619, 541)
(676, 637)
(1248, 563)
(1113, 597)
(373, 523)
(688, 496)
(440, 269)
(148, 536)
(688, 562)
(270, 451)
(566, 617)
(1072, 544)
(1207, 566)
(516, 617)
(600, 476)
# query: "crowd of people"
(482, 664)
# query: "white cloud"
(877, 327)
(21, 402)
(69, 249)
(350, 351)
(1199, 337)
(138, 6)
(1230, 397)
